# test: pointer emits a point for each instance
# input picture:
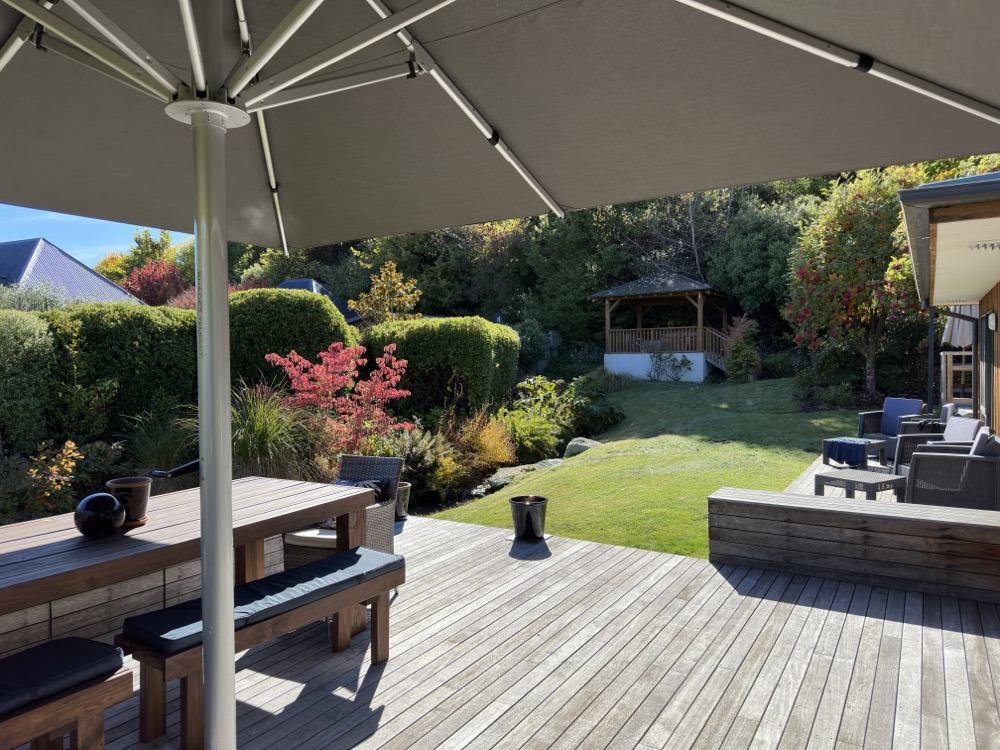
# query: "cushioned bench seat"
(178, 628)
(81, 677)
(167, 643)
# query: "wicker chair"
(884, 424)
(307, 545)
(955, 480)
(957, 430)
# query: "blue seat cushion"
(52, 667)
(172, 629)
(283, 592)
(178, 628)
(893, 409)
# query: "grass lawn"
(647, 485)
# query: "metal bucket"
(529, 517)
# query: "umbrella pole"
(209, 117)
(214, 430)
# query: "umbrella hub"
(221, 114)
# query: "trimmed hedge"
(130, 357)
(465, 362)
(26, 358)
(262, 321)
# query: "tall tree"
(851, 270)
(391, 297)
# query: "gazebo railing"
(715, 348)
(635, 340)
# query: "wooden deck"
(575, 644)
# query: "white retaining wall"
(638, 365)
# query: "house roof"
(311, 285)
(657, 285)
(38, 261)
(954, 233)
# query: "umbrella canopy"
(600, 101)
(449, 112)
(960, 332)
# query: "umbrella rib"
(265, 140)
(194, 47)
(49, 43)
(272, 180)
(16, 40)
(125, 43)
(336, 85)
(81, 40)
(264, 88)
(428, 63)
(861, 62)
(248, 67)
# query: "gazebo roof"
(657, 285)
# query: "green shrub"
(534, 436)
(262, 321)
(120, 358)
(532, 344)
(36, 297)
(465, 363)
(270, 438)
(26, 359)
(743, 361)
(420, 450)
(782, 364)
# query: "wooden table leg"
(192, 712)
(250, 562)
(152, 703)
(352, 529)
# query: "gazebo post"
(607, 325)
(701, 322)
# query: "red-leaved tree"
(353, 409)
(851, 270)
(156, 282)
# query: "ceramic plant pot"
(133, 493)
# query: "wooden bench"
(167, 643)
(926, 548)
(58, 688)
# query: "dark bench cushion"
(173, 629)
(177, 628)
(52, 667)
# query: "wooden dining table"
(47, 558)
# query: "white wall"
(638, 365)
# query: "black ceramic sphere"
(99, 515)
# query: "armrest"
(923, 426)
(189, 468)
(909, 443)
(939, 446)
(869, 422)
(906, 418)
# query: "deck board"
(573, 644)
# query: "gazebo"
(628, 350)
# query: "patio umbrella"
(316, 122)
(960, 332)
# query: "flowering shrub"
(188, 299)
(354, 409)
(40, 484)
(155, 282)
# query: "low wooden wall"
(98, 613)
(931, 549)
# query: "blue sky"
(87, 240)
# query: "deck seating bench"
(57, 688)
(168, 646)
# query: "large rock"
(578, 445)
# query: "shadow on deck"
(577, 644)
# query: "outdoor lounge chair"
(957, 430)
(304, 546)
(884, 424)
(956, 476)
